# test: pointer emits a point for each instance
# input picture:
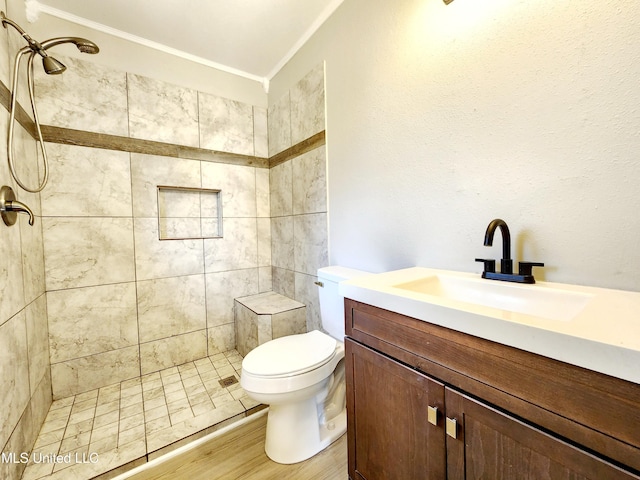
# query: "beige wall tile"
(279, 125)
(222, 288)
(149, 171)
(246, 324)
(87, 97)
(87, 251)
(37, 341)
(263, 201)
(310, 242)
(306, 291)
(87, 182)
(264, 242)
(310, 186)
(14, 373)
(87, 373)
(260, 132)
(237, 184)
(11, 288)
(157, 258)
(237, 249)
(221, 338)
(265, 280)
(283, 281)
(282, 246)
(290, 322)
(171, 351)
(171, 306)
(150, 100)
(90, 320)
(281, 189)
(307, 105)
(225, 125)
(32, 258)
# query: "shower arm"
(33, 44)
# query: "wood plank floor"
(239, 454)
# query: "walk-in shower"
(51, 67)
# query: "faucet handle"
(489, 264)
(524, 268)
(10, 207)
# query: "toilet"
(301, 378)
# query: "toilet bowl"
(301, 378)
(297, 427)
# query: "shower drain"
(228, 381)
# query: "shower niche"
(189, 213)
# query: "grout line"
(140, 383)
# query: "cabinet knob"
(432, 415)
(452, 427)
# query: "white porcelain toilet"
(301, 378)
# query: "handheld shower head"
(84, 45)
(50, 64)
(87, 46)
(51, 67)
(54, 67)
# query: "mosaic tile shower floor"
(117, 427)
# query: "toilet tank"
(331, 302)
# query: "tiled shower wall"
(25, 380)
(299, 194)
(121, 302)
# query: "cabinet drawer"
(599, 412)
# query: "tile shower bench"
(265, 316)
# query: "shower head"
(55, 67)
(87, 46)
(52, 66)
(84, 45)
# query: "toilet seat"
(290, 356)
(312, 366)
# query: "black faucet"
(524, 274)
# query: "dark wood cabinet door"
(390, 437)
(494, 446)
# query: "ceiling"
(252, 38)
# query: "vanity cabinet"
(427, 402)
(392, 434)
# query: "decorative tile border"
(298, 149)
(68, 136)
(21, 115)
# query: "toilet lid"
(293, 354)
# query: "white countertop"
(603, 336)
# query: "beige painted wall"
(441, 118)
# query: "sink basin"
(552, 304)
(594, 328)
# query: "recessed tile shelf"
(189, 213)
